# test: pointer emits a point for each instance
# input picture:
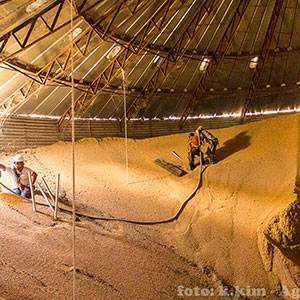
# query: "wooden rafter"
(164, 67)
(118, 63)
(218, 56)
(263, 57)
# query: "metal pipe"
(32, 192)
(176, 155)
(48, 189)
(56, 195)
(45, 197)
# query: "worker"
(195, 146)
(19, 175)
(207, 137)
(194, 149)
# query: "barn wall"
(20, 133)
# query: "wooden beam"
(218, 56)
(262, 58)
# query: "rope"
(73, 158)
(125, 128)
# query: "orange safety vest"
(194, 142)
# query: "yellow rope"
(73, 156)
(125, 128)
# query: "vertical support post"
(125, 127)
(200, 152)
(297, 181)
(32, 192)
(56, 195)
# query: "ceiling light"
(113, 52)
(76, 32)
(35, 5)
(156, 59)
(204, 64)
(253, 63)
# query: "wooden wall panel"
(20, 133)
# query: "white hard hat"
(18, 158)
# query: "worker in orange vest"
(194, 149)
(195, 146)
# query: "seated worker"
(194, 149)
(211, 140)
(19, 176)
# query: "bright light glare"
(201, 116)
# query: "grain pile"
(224, 236)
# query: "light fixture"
(253, 62)
(204, 64)
(35, 5)
(200, 116)
(75, 32)
(156, 59)
(113, 52)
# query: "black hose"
(103, 218)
